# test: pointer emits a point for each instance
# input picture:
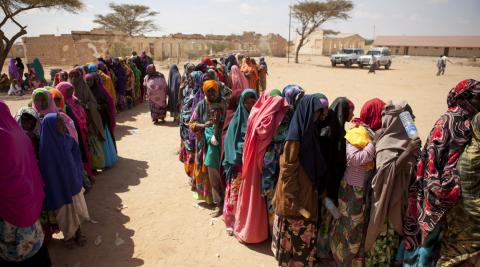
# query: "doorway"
(445, 51)
(406, 50)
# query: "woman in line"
(348, 231)
(396, 159)
(202, 182)
(21, 198)
(251, 73)
(437, 184)
(174, 80)
(29, 121)
(105, 107)
(461, 243)
(300, 186)
(271, 161)
(251, 217)
(15, 79)
(68, 119)
(262, 74)
(80, 115)
(137, 83)
(36, 75)
(332, 143)
(232, 160)
(120, 84)
(187, 145)
(63, 182)
(107, 81)
(157, 94)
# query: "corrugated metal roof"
(435, 41)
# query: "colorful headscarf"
(292, 94)
(234, 139)
(91, 68)
(51, 108)
(371, 114)
(21, 185)
(13, 71)
(210, 84)
(57, 94)
(459, 95)
(276, 92)
(37, 66)
(239, 82)
(302, 128)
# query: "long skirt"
(15, 90)
(383, 252)
(40, 259)
(270, 174)
(201, 184)
(188, 159)
(294, 242)
(157, 112)
(231, 197)
(109, 150)
(348, 231)
(71, 216)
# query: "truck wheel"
(360, 65)
(388, 65)
(334, 64)
(348, 64)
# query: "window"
(470, 48)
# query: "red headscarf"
(371, 114)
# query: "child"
(28, 119)
(213, 133)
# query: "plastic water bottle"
(332, 208)
(409, 124)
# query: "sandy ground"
(161, 224)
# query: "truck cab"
(347, 57)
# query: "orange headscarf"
(56, 94)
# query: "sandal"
(80, 239)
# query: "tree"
(12, 8)
(128, 18)
(312, 14)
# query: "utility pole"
(289, 27)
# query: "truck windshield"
(347, 51)
(375, 53)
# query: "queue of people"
(280, 166)
(277, 165)
(53, 149)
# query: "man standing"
(440, 65)
(373, 64)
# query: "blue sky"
(390, 17)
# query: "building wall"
(435, 51)
(334, 45)
(314, 45)
(83, 47)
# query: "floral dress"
(19, 243)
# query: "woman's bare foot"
(217, 212)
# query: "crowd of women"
(54, 147)
(281, 165)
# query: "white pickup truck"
(347, 57)
(382, 55)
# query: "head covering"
(239, 82)
(30, 111)
(390, 183)
(210, 84)
(207, 60)
(88, 101)
(21, 185)
(460, 95)
(60, 164)
(121, 81)
(51, 108)
(104, 99)
(292, 94)
(302, 128)
(371, 114)
(13, 71)
(150, 69)
(91, 68)
(37, 66)
(174, 80)
(233, 146)
(263, 63)
(57, 94)
(103, 67)
(342, 108)
(276, 92)
(230, 62)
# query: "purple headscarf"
(13, 71)
(121, 82)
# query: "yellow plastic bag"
(358, 137)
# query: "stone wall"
(81, 47)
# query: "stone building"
(82, 47)
(452, 46)
(326, 44)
